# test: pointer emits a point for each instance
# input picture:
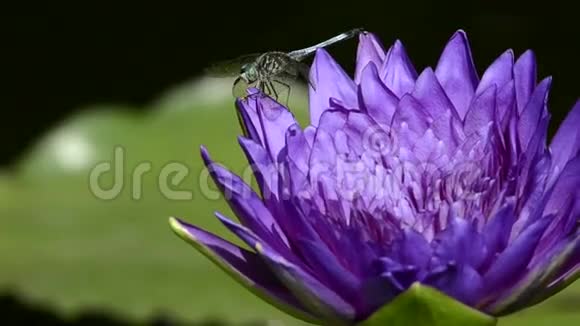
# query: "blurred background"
(81, 80)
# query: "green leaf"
(423, 305)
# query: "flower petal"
(328, 269)
(432, 97)
(498, 229)
(331, 82)
(566, 187)
(481, 112)
(370, 51)
(411, 248)
(325, 148)
(564, 224)
(533, 112)
(461, 243)
(309, 291)
(564, 203)
(456, 72)
(298, 148)
(542, 280)
(265, 121)
(398, 72)
(411, 119)
(531, 190)
(243, 266)
(264, 169)
(566, 143)
(249, 121)
(525, 78)
(376, 99)
(498, 73)
(566, 253)
(511, 264)
(246, 204)
(461, 282)
(568, 272)
(505, 103)
(364, 135)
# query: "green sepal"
(422, 305)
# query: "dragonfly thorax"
(274, 63)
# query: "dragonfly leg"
(271, 85)
(287, 89)
(261, 85)
(265, 88)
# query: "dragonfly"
(272, 71)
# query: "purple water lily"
(441, 178)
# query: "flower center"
(387, 188)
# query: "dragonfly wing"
(230, 68)
(298, 70)
(304, 73)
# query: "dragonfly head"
(248, 73)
